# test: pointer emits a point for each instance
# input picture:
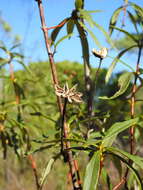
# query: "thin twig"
(50, 54)
(134, 90)
(118, 186)
(55, 81)
(34, 168)
(132, 129)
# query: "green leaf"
(17, 55)
(114, 19)
(137, 8)
(85, 15)
(126, 33)
(56, 31)
(109, 40)
(91, 34)
(70, 26)
(123, 83)
(46, 171)
(84, 44)
(117, 128)
(124, 63)
(133, 20)
(25, 67)
(116, 59)
(4, 48)
(92, 172)
(3, 61)
(94, 11)
(78, 4)
(119, 153)
(136, 159)
(63, 38)
(15, 46)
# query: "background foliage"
(104, 131)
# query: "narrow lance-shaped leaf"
(84, 43)
(126, 33)
(63, 38)
(113, 64)
(25, 67)
(78, 4)
(70, 26)
(92, 35)
(123, 84)
(92, 172)
(15, 46)
(117, 128)
(124, 63)
(46, 171)
(105, 34)
(115, 153)
(136, 159)
(56, 31)
(114, 19)
(3, 61)
(137, 8)
(85, 15)
(133, 20)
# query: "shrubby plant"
(81, 114)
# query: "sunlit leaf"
(123, 83)
(133, 20)
(92, 35)
(119, 154)
(3, 62)
(78, 4)
(56, 31)
(117, 128)
(84, 43)
(70, 26)
(46, 171)
(137, 8)
(62, 39)
(131, 36)
(92, 172)
(85, 15)
(116, 59)
(114, 19)
(109, 40)
(136, 159)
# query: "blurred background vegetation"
(32, 125)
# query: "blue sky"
(23, 16)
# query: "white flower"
(70, 94)
(100, 53)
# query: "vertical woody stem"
(48, 48)
(70, 159)
(132, 129)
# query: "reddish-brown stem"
(119, 185)
(132, 112)
(73, 165)
(124, 11)
(34, 168)
(57, 26)
(50, 54)
(55, 81)
(134, 90)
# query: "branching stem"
(71, 161)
